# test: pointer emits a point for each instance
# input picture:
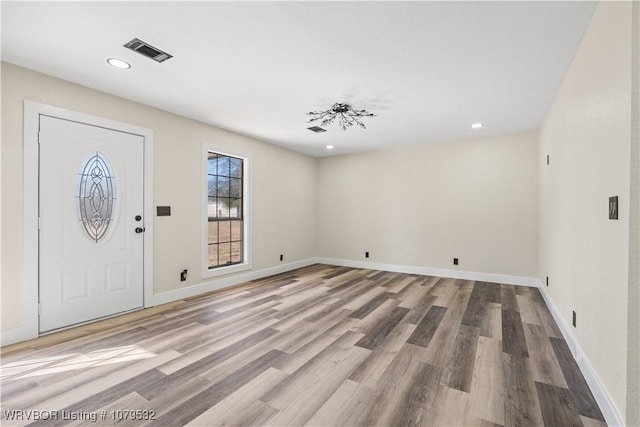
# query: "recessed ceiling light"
(118, 63)
(477, 125)
(329, 147)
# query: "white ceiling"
(426, 69)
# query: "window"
(226, 206)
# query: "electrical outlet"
(574, 319)
(281, 257)
(547, 280)
(183, 275)
(455, 261)
(366, 254)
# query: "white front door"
(91, 222)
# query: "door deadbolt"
(138, 218)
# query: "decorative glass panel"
(96, 196)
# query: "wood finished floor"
(320, 346)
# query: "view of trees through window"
(225, 210)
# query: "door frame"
(32, 113)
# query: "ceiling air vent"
(147, 50)
(316, 129)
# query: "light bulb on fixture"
(329, 147)
(118, 63)
(476, 125)
(345, 113)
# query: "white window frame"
(246, 214)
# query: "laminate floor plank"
(200, 403)
(383, 311)
(393, 386)
(418, 397)
(417, 312)
(412, 295)
(546, 319)
(508, 298)
(543, 362)
(371, 305)
(227, 411)
(493, 291)
(298, 335)
(486, 395)
(322, 346)
(459, 370)
(399, 285)
(491, 324)
(201, 365)
(427, 326)
(447, 291)
(522, 407)
(338, 409)
(312, 348)
(557, 406)
(94, 381)
(313, 382)
(133, 401)
(281, 395)
(528, 311)
(476, 306)
(96, 401)
(372, 368)
(440, 347)
(582, 396)
(513, 340)
(451, 408)
(590, 422)
(383, 328)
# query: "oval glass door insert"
(96, 195)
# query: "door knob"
(139, 229)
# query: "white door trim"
(32, 112)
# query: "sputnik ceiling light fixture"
(345, 114)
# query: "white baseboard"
(16, 335)
(609, 410)
(225, 282)
(439, 272)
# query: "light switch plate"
(613, 207)
(163, 210)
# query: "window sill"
(222, 271)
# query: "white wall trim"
(439, 272)
(32, 113)
(225, 282)
(607, 406)
(19, 334)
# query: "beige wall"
(587, 135)
(283, 185)
(422, 206)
